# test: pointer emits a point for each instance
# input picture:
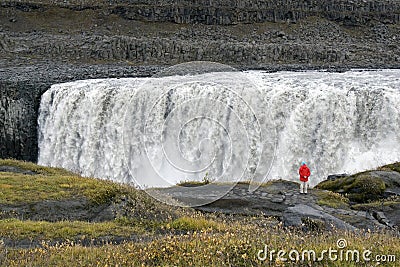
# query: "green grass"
(51, 184)
(20, 188)
(16, 229)
(377, 204)
(206, 180)
(36, 168)
(59, 184)
(331, 199)
(391, 167)
(195, 224)
(191, 183)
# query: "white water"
(257, 126)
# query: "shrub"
(366, 188)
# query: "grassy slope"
(184, 238)
(57, 184)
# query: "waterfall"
(228, 126)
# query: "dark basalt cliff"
(228, 12)
(20, 92)
(43, 42)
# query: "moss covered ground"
(365, 190)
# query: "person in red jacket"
(304, 172)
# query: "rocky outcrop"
(301, 214)
(366, 186)
(281, 199)
(375, 193)
(14, 169)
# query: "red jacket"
(304, 172)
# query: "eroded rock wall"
(227, 12)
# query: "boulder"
(300, 213)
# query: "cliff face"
(253, 33)
(18, 116)
(43, 42)
(20, 92)
(248, 11)
(228, 12)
